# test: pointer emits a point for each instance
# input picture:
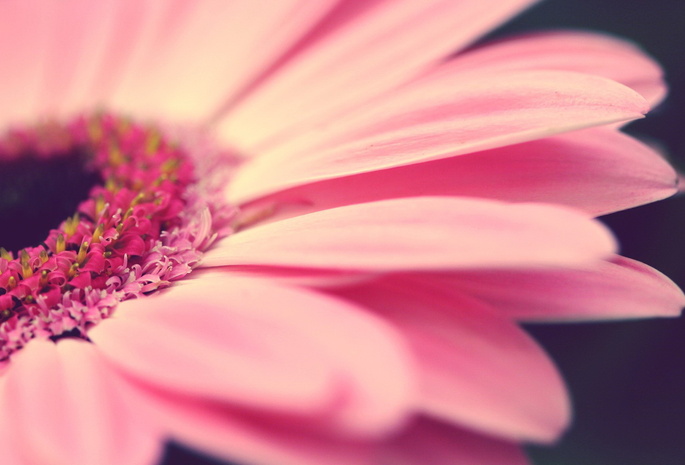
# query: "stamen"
(99, 205)
(43, 282)
(60, 244)
(153, 142)
(73, 270)
(82, 252)
(97, 234)
(26, 269)
(111, 185)
(116, 157)
(71, 224)
(142, 228)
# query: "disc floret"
(141, 228)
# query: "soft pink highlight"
(384, 204)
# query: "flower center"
(38, 192)
(128, 216)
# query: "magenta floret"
(147, 225)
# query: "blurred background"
(627, 379)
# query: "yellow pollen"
(5, 254)
(97, 234)
(128, 213)
(43, 278)
(73, 270)
(99, 205)
(111, 185)
(153, 142)
(60, 244)
(71, 224)
(11, 283)
(116, 157)
(43, 255)
(158, 182)
(82, 251)
(26, 269)
(139, 198)
(170, 165)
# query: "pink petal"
(7, 446)
(597, 170)
(420, 233)
(260, 344)
(66, 56)
(439, 118)
(79, 35)
(65, 407)
(616, 289)
(199, 54)
(430, 442)
(24, 38)
(477, 368)
(142, 21)
(584, 52)
(346, 62)
(303, 277)
(218, 355)
(233, 435)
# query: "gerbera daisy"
(301, 234)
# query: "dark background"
(627, 379)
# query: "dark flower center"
(37, 193)
(97, 211)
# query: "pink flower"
(338, 279)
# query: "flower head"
(139, 228)
(306, 236)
